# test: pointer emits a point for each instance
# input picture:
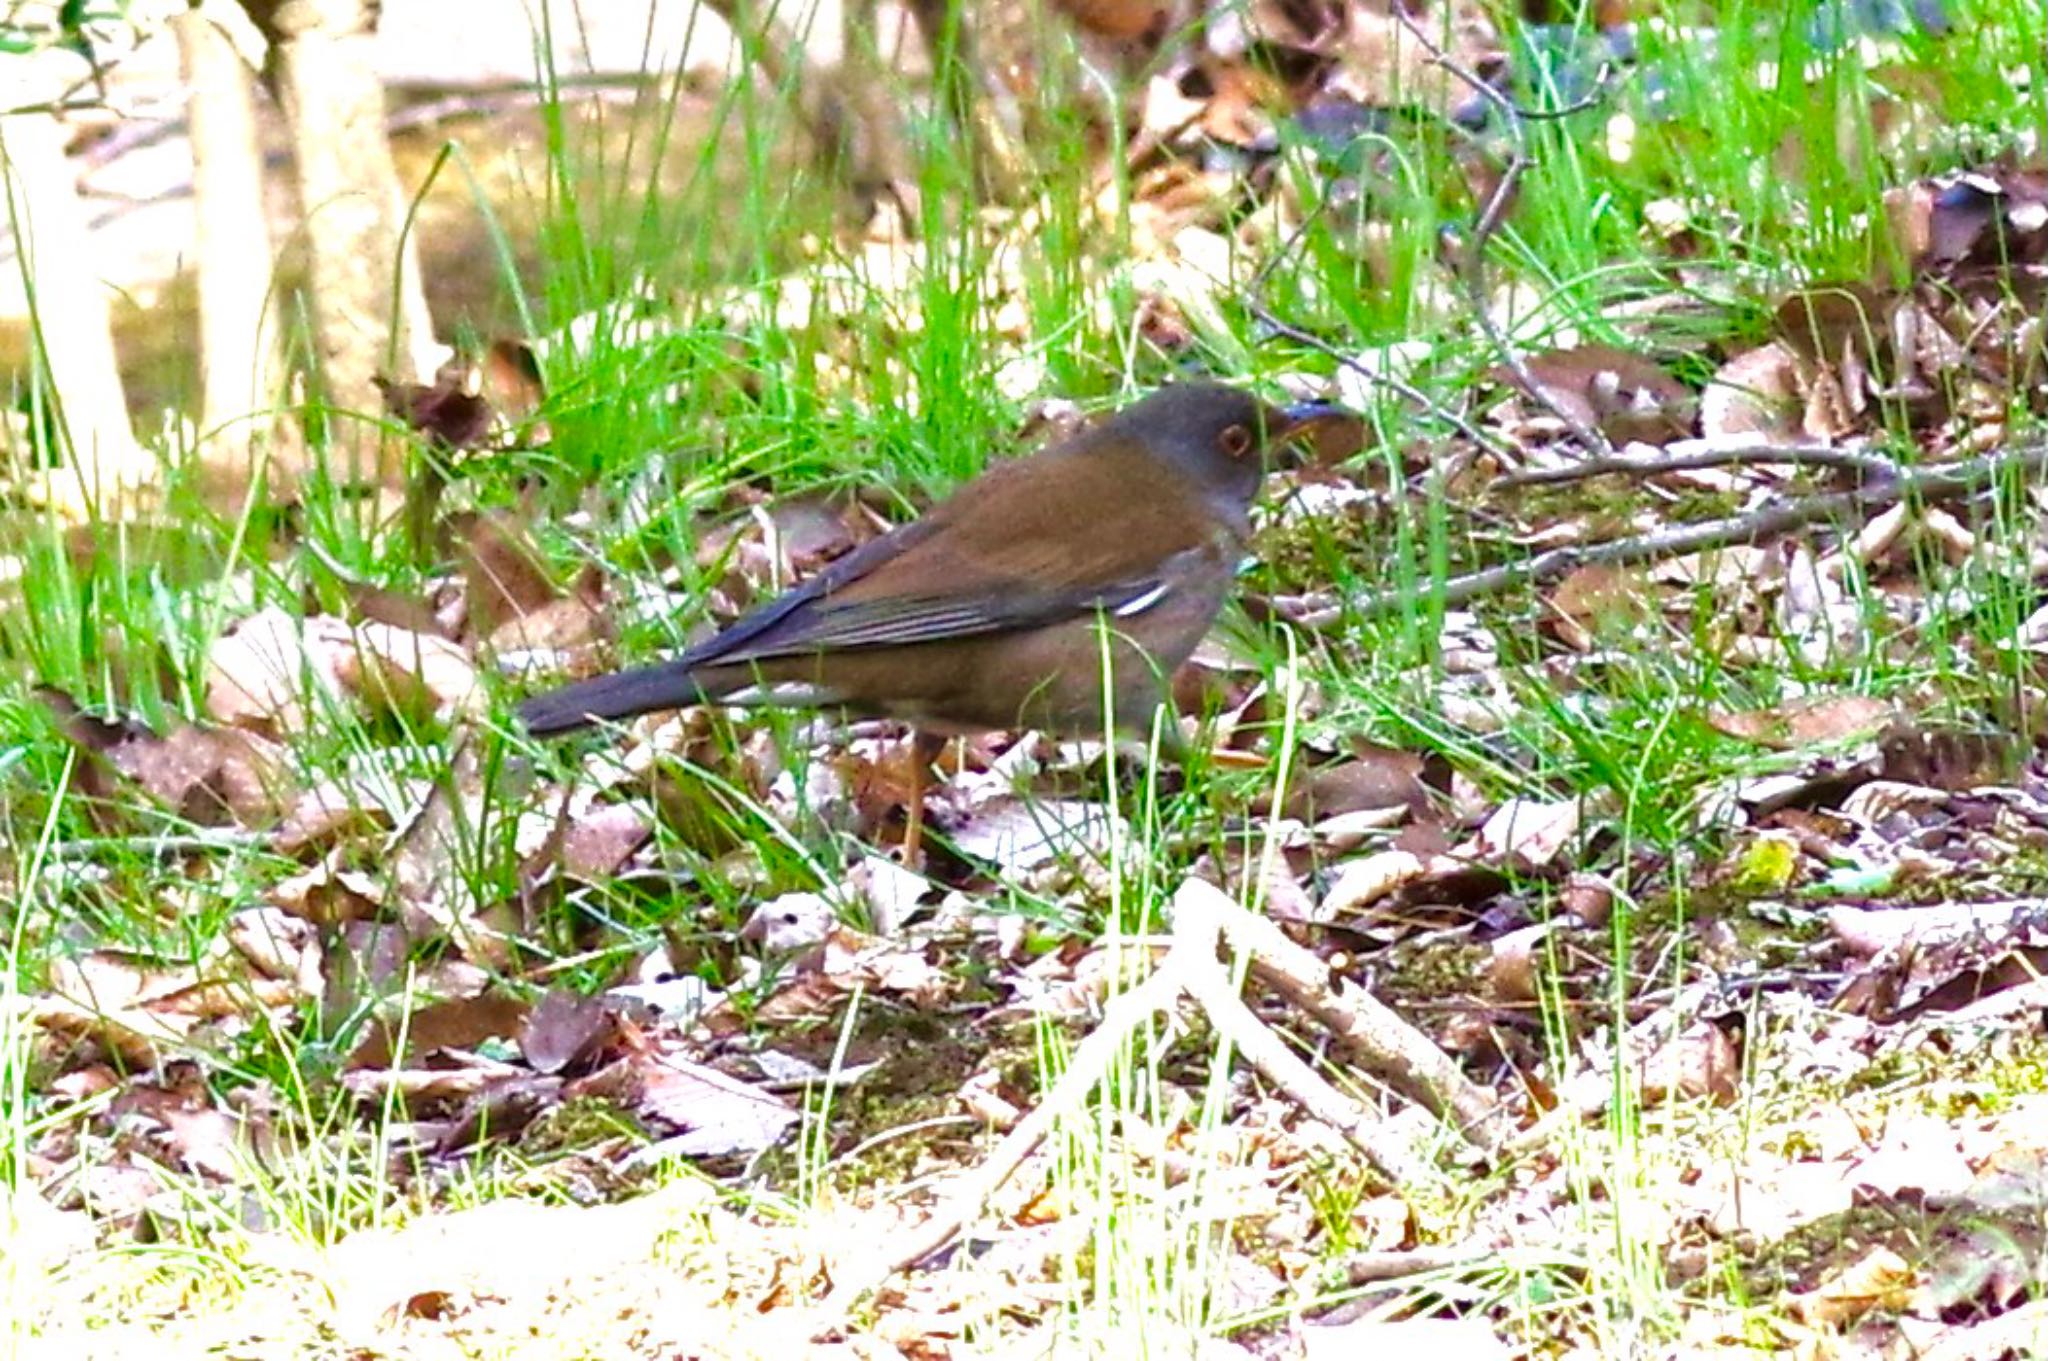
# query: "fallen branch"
(1918, 484)
(1203, 916)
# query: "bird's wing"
(994, 558)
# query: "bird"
(997, 609)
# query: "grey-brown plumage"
(991, 611)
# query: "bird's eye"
(1235, 441)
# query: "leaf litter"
(1866, 909)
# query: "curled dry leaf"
(1587, 900)
(1380, 63)
(890, 891)
(1625, 396)
(1374, 778)
(412, 673)
(1118, 20)
(280, 946)
(1019, 836)
(875, 965)
(713, 1115)
(1879, 1280)
(514, 607)
(1511, 974)
(142, 1010)
(597, 844)
(342, 809)
(1816, 611)
(995, 1102)
(1701, 1061)
(1758, 393)
(1596, 602)
(326, 894)
(1362, 883)
(564, 1028)
(1526, 834)
(676, 1001)
(273, 672)
(504, 577)
(452, 411)
(849, 961)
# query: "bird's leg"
(924, 749)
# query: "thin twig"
(1263, 313)
(1688, 455)
(190, 843)
(1923, 484)
(1472, 268)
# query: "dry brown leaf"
(1375, 777)
(564, 1028)
(411, 673)
(1511, 973)
(326, 894)
(211, 776)
(459, 1023)
(189, 1129)
(1018, 836)
(1364, 882)
(890, 891)
(1526, 834)
(1758, 393)
(1596, 602)
(1807, 721)
(1624, 395)
(852, 959)
(274, 672)
(1880, 1279)
(1701, 1061)
(597, 844)
(452, 411)
(716, 1115)
(280, 946)
(142, 1010)
(1382, 65)
(336, 810)
(503, 573)
(572, 624)
(1118, 20)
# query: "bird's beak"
(1303, 426)
(1305, 415)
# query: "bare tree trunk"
(241, 366)
(74, 338)
(369, 315)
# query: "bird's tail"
(604, 698)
